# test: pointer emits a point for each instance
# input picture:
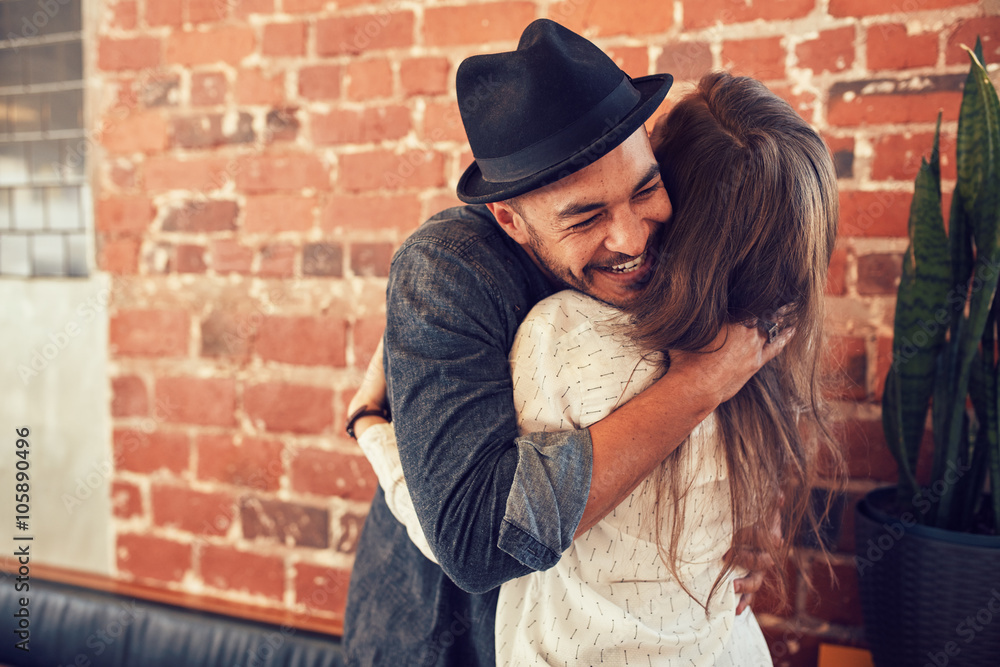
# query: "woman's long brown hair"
(755, 219)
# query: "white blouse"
(610, 600)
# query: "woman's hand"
(371, 393)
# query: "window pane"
(30, 18)
(13, 166)
(49, 254)
(4, 101)
(44, 161)
(29, 208)
(14, 255)
(64, 208)
(6, 222)
(50, 63)
(73, 154)
(26, 113)
(66, 110)
(11, 68)
(77, 246)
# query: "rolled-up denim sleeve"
(493, 506)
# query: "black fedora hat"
(540, 113)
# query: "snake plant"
(945, 343)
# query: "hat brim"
(474, 189)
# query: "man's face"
(592, 231)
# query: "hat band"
(578, 135)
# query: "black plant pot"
(930, 597)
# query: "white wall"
(54, 380)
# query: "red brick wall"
(258, 162)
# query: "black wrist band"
(365, 411)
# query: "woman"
(754, 222)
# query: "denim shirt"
(493, 505)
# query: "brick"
(360, 34)
(705, 13)
(291, 524)
(371, 125)
(323, 259)
(254, 86)
(278, 213)
(306, 341)
(769, 600)
(120, 172)
(192, 511)
(879, 273)
(166, 172)
(282, 125)
(443, 122)
(865, 452)
(188, 258)
(883, 361)
(229, 44)
(129, 397)
(898, 156)
(122, 15)
(137, 451)
(368, 79)
(230, 569)
(282, 407)
(842, 150)
(874, 214)
(128, 54)
(633, 60)
(192, 400)
(303, 6)
(255, 463)
(210, 11)
(478, 23)
(229, 256)
(226, 333)
(126, 500)
(212, 130)
(284, 39)
(371, 260)
(247, 7)
(831, 51)
(326, 473)
(848, 364)
(377, 169)
(367, 333)
(158, 90)
(834, 596)
(278, 260)
(857, 8)
(321, 588)
(208, 88)
(138, 132)
(836, 280)
(987, 28)
(890, 46)
(149, 333)
(320, 82)
(762, 58)
(685, 60)
(877, 101)
(610, 17)
(149, 557)
(124, 214)
(360, 212)
(289, 171)
(118, 256)
(202, 216)
(164, 12)
(425, 76)
(803, 102)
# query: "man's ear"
(510, 221)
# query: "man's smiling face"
(592, 230)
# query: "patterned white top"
(610, 600)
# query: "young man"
(573, 198)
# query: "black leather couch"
(70, 625)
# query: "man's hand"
(371, 393)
